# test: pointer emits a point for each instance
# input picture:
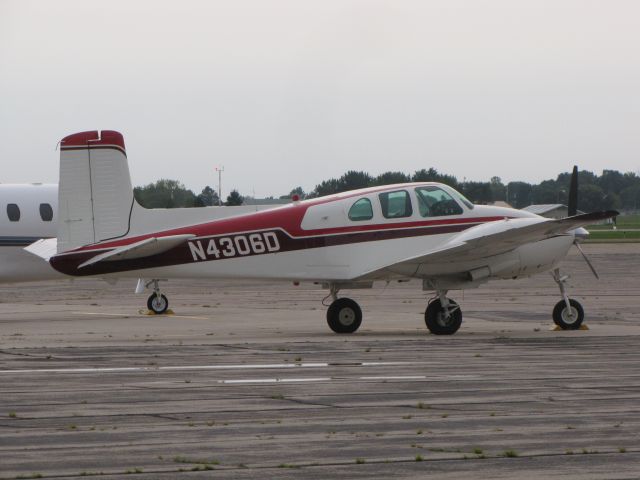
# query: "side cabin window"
(361, 210)
(435, 202)
(13, 212)
(396, 204)
(46, 212)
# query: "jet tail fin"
(95, 196)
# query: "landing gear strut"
(157, 302)
(568, 314)
(344, 315)
(443, 316)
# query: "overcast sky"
(291, 92)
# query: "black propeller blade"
(586, 259)
(572, 208)
(573, 193)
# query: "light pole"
(219, 170)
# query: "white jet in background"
(28, 212)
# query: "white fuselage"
(28, 212)
(334, 262)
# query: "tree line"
(173, 194)
(610, 190)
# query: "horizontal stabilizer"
(143, 248)
(44, 248)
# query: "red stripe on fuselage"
(287, 218)
(214, 245)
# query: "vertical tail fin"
(95, 196)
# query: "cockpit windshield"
(436, 202)
(464, 200)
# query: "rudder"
(95, 195)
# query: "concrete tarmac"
(247, 381)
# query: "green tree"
(498, 190)
(164, 194)
(590, 198)
(477, 192)
(207, 197)
(519, 194)
(630, 197)
(296, 191)
(349, 181)
(546, 191)
(389, 178)
(432, 175)
(612, 181)
(353, 180)
(327, 187)
(234, 199)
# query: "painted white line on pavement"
(204, 367)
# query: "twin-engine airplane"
(348, 240)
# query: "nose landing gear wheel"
(344, 316)
(157, 303)
(437, 321)
(568, 319)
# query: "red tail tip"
(93, 137)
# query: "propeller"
(586, 259)
(573, 193)
(573, 210)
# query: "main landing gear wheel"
(568, 319)
(157, 303)
(436, 319)
(344, 316)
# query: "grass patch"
(419, 458)
(510, 453)
(201, 468)
(614, 235)
(203, 461)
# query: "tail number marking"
(234, 246)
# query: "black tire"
(344, 316)
(157, 305)
(563, 320)
(437, 323)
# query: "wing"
(494, 238)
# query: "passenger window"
(435, 202)
(46, 212)
(361, 210)
(13, 212)
(396, 204)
